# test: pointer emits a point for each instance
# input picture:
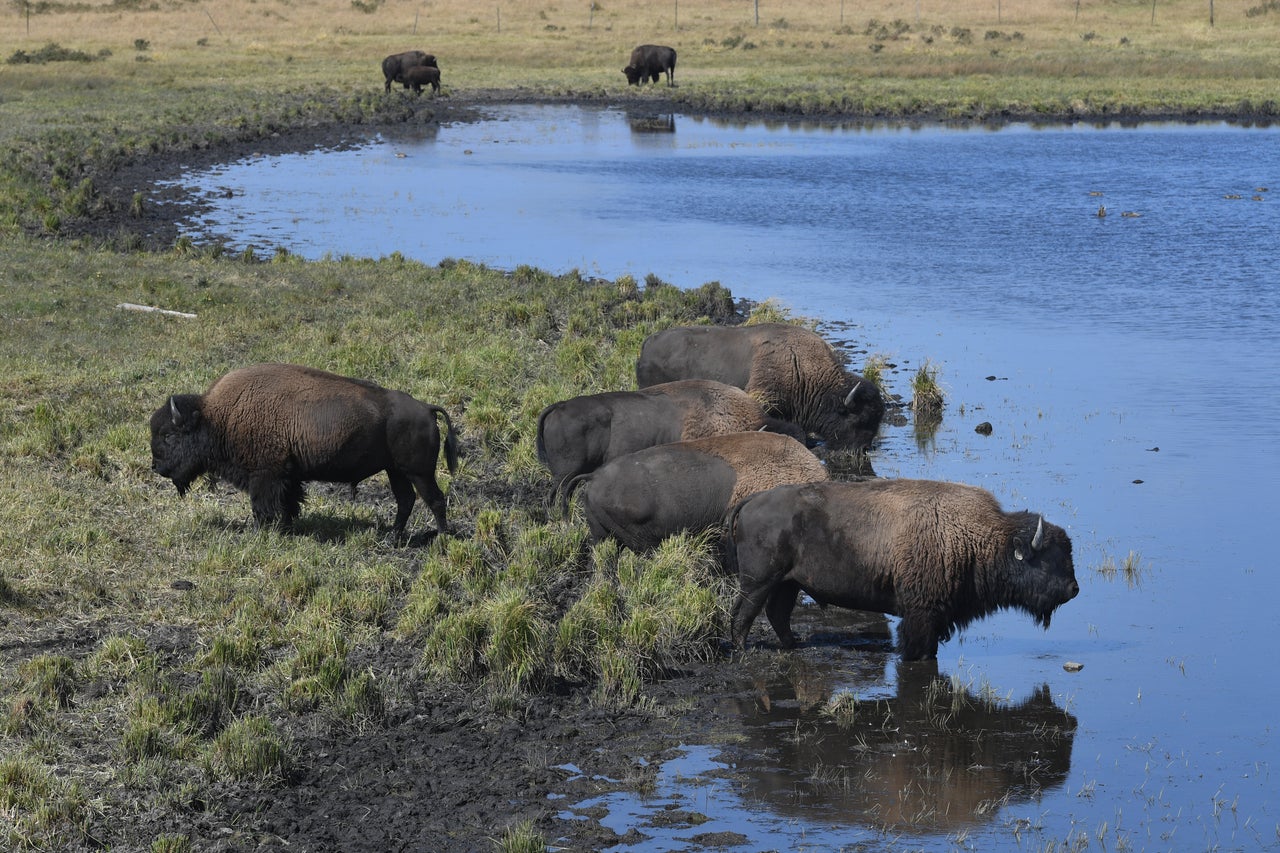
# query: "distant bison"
(394, 66)
(794, 371)
(648, 62)
(644, 497)
(578, 435)
(939, 555)
(269, 428)
(421, 75)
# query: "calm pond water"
(1136, 402)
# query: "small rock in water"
(1072, 666)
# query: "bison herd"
(414, 68)
(719, 435)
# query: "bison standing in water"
(394, 66)
(578, 435)
(939, 555)
(269, 428)
(792, 370)
(644, 497)
(649, 62)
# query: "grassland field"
(173, 678)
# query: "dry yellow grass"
(539, 43)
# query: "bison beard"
(938, 555)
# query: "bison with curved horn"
(269, 428)
(796, 373)
(939, 555)
(578, 435)
(644, 497)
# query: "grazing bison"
(644, 497)
(269, 428)
(579, 435)
(394, 66)
(421, 75)
(939, 555)
(648, 62)
(793, 370)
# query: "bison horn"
(848, 401)
(1038, 539)
(173, 411)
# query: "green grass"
(278, 629)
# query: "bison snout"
(1073, 589)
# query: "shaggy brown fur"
(269, 428)
(644, 497)
(578, 435)
(793, 371)
(940, 555)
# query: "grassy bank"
(183, 644)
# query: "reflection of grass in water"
(1132, 569)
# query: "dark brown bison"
(939, 555)
(644, 497)
(394, 66)
(421, 75)
(648, 62)
(579, 435)
(269, 428)
(792, 370)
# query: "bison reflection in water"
(937, 755)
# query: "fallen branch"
(129, 306)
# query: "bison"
(793, 370)
(938, 555)
(421, 75)
(648, 62)
(269, 428)
(644, 497)
(578, 435)
(394, 66)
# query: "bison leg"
(403, 491)
(275, 501)
(433, 497)
(918, 636)
(778, 608)
(745, 610)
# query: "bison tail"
(539, 443)
(728, 545)
(568, 488)
(450, 439)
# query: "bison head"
(180, 442)
(854, 416)
(1043, 575)
(634, 75)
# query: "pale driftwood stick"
(129, 306)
